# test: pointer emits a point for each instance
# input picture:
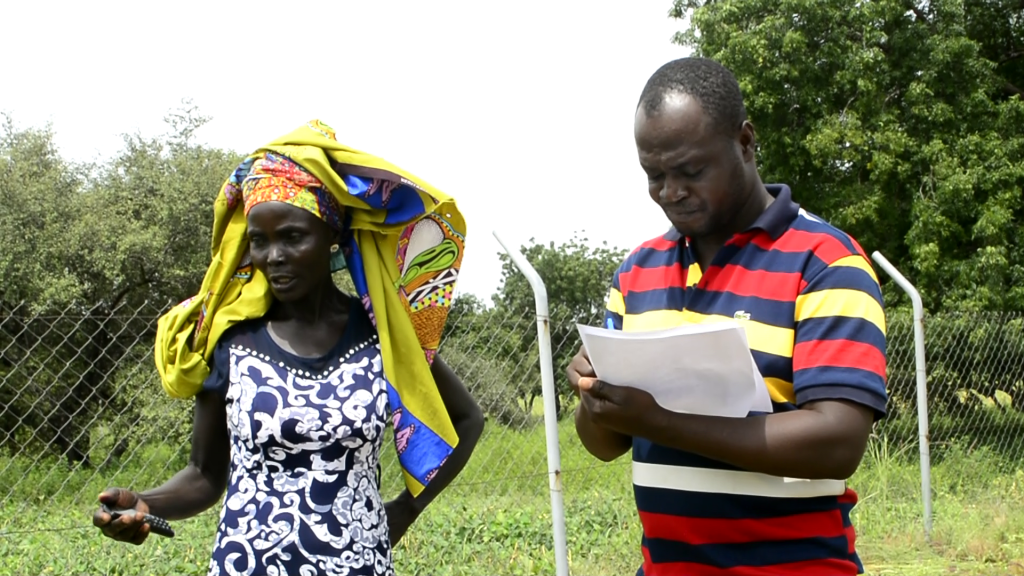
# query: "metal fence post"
(922, 385)
(540, 295)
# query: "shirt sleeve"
(840, 337)
(615, 306)
(220, 370)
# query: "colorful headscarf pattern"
(273, 177)
(403, 246)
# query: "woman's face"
(291, 247)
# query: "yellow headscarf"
(404, 247)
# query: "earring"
(334, 248)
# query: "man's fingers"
(583, 353)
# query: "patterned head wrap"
(402, 242)
(275, 178)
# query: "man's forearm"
(798, 444)
(603, 443)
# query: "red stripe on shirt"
(833, 567)
(657, 278)
(659, 243)
(849, 497)
(839, 354)
(698, 531)
(859, 249)
(782, 286)
(825, 246)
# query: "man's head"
(696, 146)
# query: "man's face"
(695, 172)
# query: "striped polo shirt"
(811, 306)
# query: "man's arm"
(838, 383)
(603, 443)
(822, 440)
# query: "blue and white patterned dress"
(303, 497)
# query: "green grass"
(497, 519)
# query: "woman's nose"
(275, 255)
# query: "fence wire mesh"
(975, 376)
(82, 409)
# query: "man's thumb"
(595, 387)
(587, 384)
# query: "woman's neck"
(323, 302)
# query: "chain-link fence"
(81, 409)
(975, 369)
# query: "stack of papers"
(693, 368)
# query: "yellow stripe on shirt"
(840, 302)
(761, 337)
(856, 261)
(616, 303)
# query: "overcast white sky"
(520, 110)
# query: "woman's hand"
(401, 513)
(126, 528)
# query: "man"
(766, 494)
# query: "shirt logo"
(741, 315)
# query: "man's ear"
(748, 141)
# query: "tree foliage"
(85, 249)
(576, 276)
(899, 121)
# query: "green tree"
(91, 255)
(576, 276)
(899, 121)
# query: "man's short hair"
(714, 86)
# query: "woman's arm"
(468, 420)
(201, 484)
(189, 492)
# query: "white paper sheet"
(693, 368)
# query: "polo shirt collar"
(780, 214)
(775, 220)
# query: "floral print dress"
(303, 497)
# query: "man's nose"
(673, 191)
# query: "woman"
(294, 381)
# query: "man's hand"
(601, 441)
(579, 367)
(623, 409)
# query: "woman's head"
(293, 227)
